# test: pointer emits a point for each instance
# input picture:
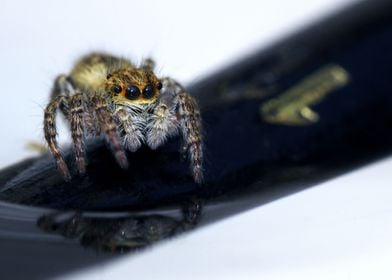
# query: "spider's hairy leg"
(109, 128)
(50, 133)
(190, 121)
(148, 64)
(77, 129)
(132, 135)
(63, 87)
(190, 124)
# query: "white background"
(338, 230)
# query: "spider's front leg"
(100, 106)
(190, 121)
(184, 109)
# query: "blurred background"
(298, 237)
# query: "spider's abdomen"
(91, 71)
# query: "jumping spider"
(129, 105)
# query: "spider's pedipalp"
(162, 125)
(50, 132)
(109, 128)
(131, 134)
(77, 129)
(164, 122)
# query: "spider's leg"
(190, 122)
(188, 114)
(63, 87)
(50, 133)
(148, 64)
(77, 129)
(131, 134)
(109, 128)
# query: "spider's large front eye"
(117, 89)
(132, 92)
(149, 91)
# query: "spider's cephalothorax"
(128, 105)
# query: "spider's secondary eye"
(159, 86)
(117, 89)
(148, 91)
(132, 92)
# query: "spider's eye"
(159, 86)
(148, 91)
(117, 89)
(132, 92)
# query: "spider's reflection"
(121, 233)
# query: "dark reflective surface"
(121, 232)
(52, 227)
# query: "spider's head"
(129, 86)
